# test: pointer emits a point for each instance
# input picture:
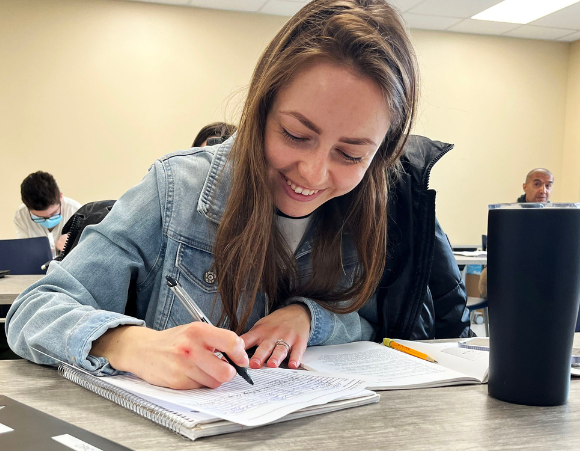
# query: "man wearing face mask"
(44, 211)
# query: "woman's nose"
(314, 168)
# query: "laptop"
(25, 256)
(23, 428)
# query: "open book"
(384, 368)
(277, 395)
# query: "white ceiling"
(448, 15)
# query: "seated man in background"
(44, 210)
(538, 186)
(219, 130)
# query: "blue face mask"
(49, 223)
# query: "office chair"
(25, 256)
(21, 256)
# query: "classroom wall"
(571, 157)
(502, 102)
(97, 89)
(93, 91)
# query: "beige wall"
(97, 89)
(571, 158)
(502, 102)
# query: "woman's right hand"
(181, 357)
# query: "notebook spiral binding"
(171, 420)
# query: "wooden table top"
(449, 418)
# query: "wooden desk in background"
(11, 286)
(449, 418)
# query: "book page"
(472, 362)
(275, 393)
(381, 367)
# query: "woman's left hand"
(290, 324)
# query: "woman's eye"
(350, 159)
(292, 137)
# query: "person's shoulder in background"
(483, 283)
(20, 217)
(21, 211)
(69, 207)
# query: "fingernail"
(293, 364)
(257, 362)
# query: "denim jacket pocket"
(198, 281)
(197, 266)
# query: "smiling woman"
(311, 161)
(279, 234)
(329, 107)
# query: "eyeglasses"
(41, 219)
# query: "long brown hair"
(369, 37)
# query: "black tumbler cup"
(534, 294)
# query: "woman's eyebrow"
(306, 122)
(309, 124)
(357, 141)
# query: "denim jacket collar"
(217, 186)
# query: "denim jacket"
(165, 225)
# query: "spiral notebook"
(278, 395)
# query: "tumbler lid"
(523, 205)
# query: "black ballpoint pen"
(198, 315)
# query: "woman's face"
(322, 133)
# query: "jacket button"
(209, 277)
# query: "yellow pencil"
(399, 347)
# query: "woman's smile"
(298, 192)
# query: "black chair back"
(25, 256)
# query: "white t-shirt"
(292, 229)
(27, 228)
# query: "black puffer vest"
(421, 294)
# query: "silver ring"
(281, 342)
